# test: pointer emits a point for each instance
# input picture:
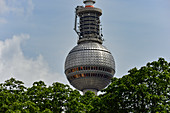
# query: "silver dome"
(89, 65)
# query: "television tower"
(89, 66)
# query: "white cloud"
(13, 63)
(24, 7)
(3, 7)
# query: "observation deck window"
(81, 68)
(84, 75)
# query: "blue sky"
(36, 36)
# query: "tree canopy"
(144, 90)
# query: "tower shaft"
(89, 24)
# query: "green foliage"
(144, 90)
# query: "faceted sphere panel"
(89, 54)
(89, 66)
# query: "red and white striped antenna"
(89, 3)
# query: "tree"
(38, 98)
(60, 94)
(73, 104)
(143, 90)
(12, 95)
(51, 98)
(92, 103)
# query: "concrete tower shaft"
(88, 21)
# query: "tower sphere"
(89, 66)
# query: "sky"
(37, 35)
